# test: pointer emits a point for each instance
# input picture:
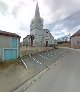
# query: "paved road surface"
(39, 61)
(64, 77)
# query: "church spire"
(37, 14)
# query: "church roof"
(76, 34)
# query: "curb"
(29, 82)
(23, 87)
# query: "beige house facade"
(75, 40)
(9, 46)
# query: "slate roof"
(8, 34)
(76, 34)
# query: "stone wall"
(33, 50)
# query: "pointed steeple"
(37, 21)
(37, 14)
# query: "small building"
(75, 40)
(27, 40)
(48, 38)
(9, 46)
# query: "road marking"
(35, 59)
(51, 55)
(43, 57)
(23, 63)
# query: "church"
(38, 37)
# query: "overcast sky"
(61, 17)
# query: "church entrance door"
(46, 43)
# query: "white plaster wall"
(74, 41)
(40, 37)
(48, 37)
(38, 34)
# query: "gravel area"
(13, 75)
(32, 50)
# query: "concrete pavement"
(64, 77)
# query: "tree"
(32, 38)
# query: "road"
(41, 60)
(64, 77)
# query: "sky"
(61, 17)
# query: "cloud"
(18, 16)
(72, 21)
(60, 9)
(61, 17)
(8, 23)
(3, 8)
(69, 25)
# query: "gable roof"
(8, 34)
(28, 36)
(76, 34)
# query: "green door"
(10, 54)
(14, 54)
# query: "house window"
(78, 42)
(46, 36)
(14, 42)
